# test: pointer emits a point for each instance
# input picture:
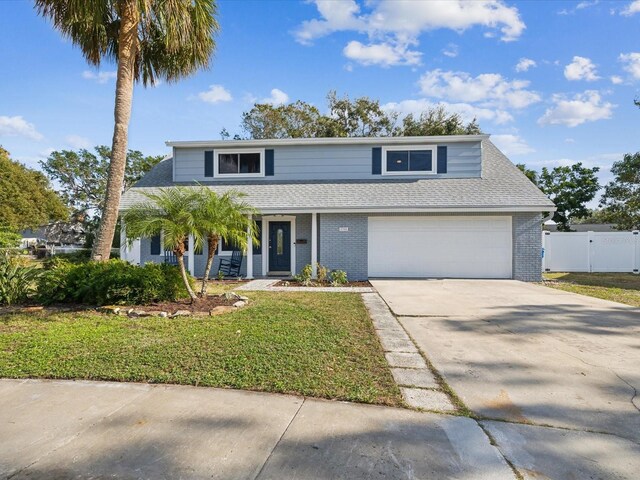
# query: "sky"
(553, 82)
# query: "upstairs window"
(418, 160)
(239, 163)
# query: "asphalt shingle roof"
(502, 185)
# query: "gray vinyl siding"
(328, 162)
(145, 252)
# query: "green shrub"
(112, 282)
(323, 273)
(304, 277)
(17, 280)
(338, 277)
(81, 256)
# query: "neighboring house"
(450, 206)
(551, 226)
(62, 234)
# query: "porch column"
(314, 245)
(124, 254)
(191, 256)
(249, 251)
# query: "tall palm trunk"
(212, 246)
(183, 273)
(127, 49)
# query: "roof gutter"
(325, 141)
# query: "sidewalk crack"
(304, 399)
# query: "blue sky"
(553, 82)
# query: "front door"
(279, 246)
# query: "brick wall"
(527, 247)
(344, 250)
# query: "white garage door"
(456, 247)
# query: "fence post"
(636, 252)
(544, 249)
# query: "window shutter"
(155, 245)
(268, 163)
(442, 160)
(376, 161)
(208, 163)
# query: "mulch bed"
(293, 283)
(203, 305)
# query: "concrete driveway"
(532, 355)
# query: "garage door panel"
(456, 247)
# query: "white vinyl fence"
(591, 251)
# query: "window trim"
(402, 148)
(216, 162)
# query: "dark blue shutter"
(155, 245)
(208, 163)
(376, 161)
(268, 163)
(442, 160)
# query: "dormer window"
(239, 163)
(413, 160)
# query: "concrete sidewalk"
(66, 429)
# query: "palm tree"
(149, 40)
(223, 216)
(171, 213)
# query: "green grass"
(617, 287)
(315, 344)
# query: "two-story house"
(450, 206)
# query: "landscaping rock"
(181, 313)
(139, 313)
(232, 296)
(239, 304)
(220, 310)
(110, 309)
(163, 314)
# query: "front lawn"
(316, 344)
(617, 287)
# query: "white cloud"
(580, 6)
(393, 26)
(100, 77)
(631, 63)
(467, 111)
(631, 9)
(18, 127)
(277, 97)
(215, 94)
(569, 140)
(488, 89)
(581, 68)
(77, 142)
(451, 50)
(616, 80)
(583, 107)
(525, 64)
(383, 54)
(512, 144)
